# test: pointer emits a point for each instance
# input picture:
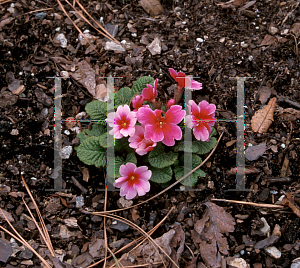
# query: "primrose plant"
(149, 144)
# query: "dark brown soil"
(199, 38)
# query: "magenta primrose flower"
(184, 80)
(122, 122)
(159, 127)
(170, 103)
(134, 180)
(137, 102)
(150, 93)
(201, 119)
(139, 143)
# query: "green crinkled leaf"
(123, 96)
(91, 153)
(204, 147)
(213, 132)
(131, 158)
(191, 180)
(97, 110)
(97, 130)
(103, 140)
(161, 175)
(159, 159)
(118, 162)
(122, 145)
(141, 83)
(181, 146)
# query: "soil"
(213, 43)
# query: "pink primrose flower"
(201, 119)
(159, 127)
(137, 102)
(139, 143)
(122, 122)
(150, 93)
(134, 180)
(184, 80)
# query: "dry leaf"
(214, 223)
(264, 94)
(172, 242)
(85, 173)
(289, 114)
(254, 152)
(296, 29)
(248, 170)
(7, 215)
(232, 3)
(153, 7)
(85, 75)
(268, 40)
(177, 244)
(263, 118)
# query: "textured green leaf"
(131, 158)
(103, 140)
(159, 159)
(161, 175)
(141, 83)
(122, 145)
(204, 147)
(91, 153)
(192, 179)
(213, 132)
(123, 96)
(97, 130)
(181, 146)
(97, 110)
(118, 162)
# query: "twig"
(248, 203)
(286, 100)
(78, 184)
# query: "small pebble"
(199, 40)
(273, 252)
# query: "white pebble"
(199, 40)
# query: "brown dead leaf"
(7, 215)
(70, 122)
(6, 250)
(152, 7)
(288, 114)
(254, 152)
(214, 223)
(85, 173)
(232, 3)
(146, 253)
(264, 94)
(263, 118)
(101, 93)
(296, 29)
(85, 75)
(177, 244)
(268, 40)
(248, 170)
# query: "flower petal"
(173, 73)
(174, 115)
(171, 132)
(142, 187)
(201, 132)
(131, 193)
(146, 116)
(154, 133)
(196, 85)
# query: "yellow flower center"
(132, 178)
(124, 124)
(160, 124)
